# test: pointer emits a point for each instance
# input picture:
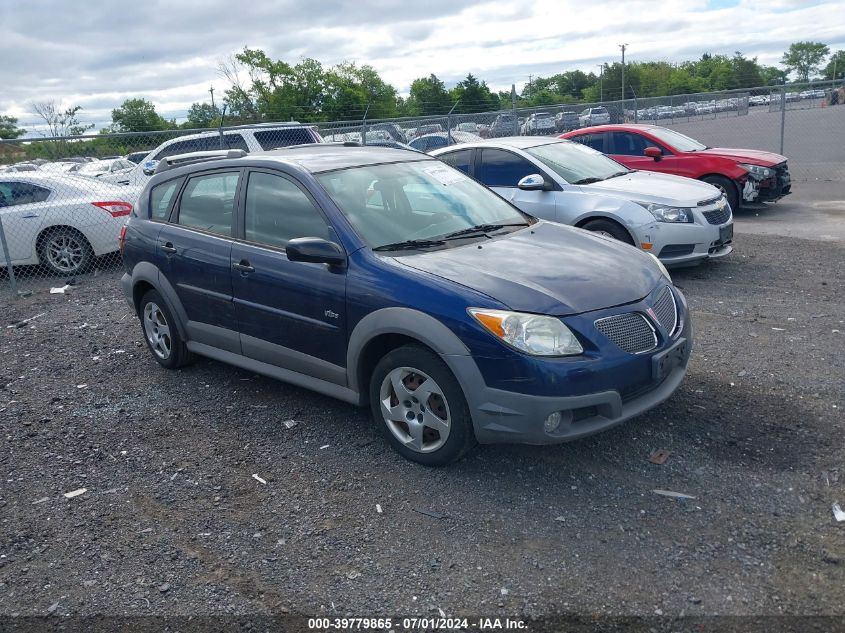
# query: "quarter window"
(278, 211)
(208, 201)
(160, 198)
(503, 169)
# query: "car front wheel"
(608, 228)
(420, 407)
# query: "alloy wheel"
(157, 331)
(415, 409)
(65, 252)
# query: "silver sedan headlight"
(666, 213)
(757, 170)
(534, 334)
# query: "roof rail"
(180, 160)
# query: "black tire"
(460, 438)
(153, 305)
(728, 187)
(64, 251)
(609, 227)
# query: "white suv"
(594, 116)
(255, 138)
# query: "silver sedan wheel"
(415, 409)
(157, 331)
(65, 252)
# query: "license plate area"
(663, 363)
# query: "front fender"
(406, 321)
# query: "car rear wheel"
(609, 228)
(160, 332)
(727, 187)
(420, 407)
(65, 251)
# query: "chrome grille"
(718, 216)
(666, 310)
(630, 331)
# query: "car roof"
(616, 126)
(518, 142)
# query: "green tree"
(473, 96)
(804, 58)
(138, 115)
(9, 127)
(201, 115)
(835, 66)
(428, 95)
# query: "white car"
(254, 138)
(594, 116)
(108, 170)
(539, 123)
(680, 220)
(62, 221)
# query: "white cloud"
(100, 52)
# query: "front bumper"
(504, 416)
(686, 244)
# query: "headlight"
(661, 267)
(531, 333)
(756, 170)
(664, 213)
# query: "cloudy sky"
(96, 53)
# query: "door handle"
(243, 266)
(30, 215)
(168, 248)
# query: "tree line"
(264, 89)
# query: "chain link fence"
(63, 201)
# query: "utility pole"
(211, 90)
(623, 47)
(530, 77)
(601, 81)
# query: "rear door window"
(208, 203)
(13, 194)
(503, 169)
(596, 141)
(462, 159)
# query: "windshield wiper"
(409, 245)
(619, 173)
(587, 181)
(479, 229)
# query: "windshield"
(576, 163)
(679, 141)
(421, 200)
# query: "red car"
(744, 175)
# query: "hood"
(651, 186)
(753, 156)
(548, 269)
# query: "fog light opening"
(552, 422)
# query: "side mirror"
(315, 250)
(533, 182)
(150, 167)
(653, 152)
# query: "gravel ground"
(173, 521)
